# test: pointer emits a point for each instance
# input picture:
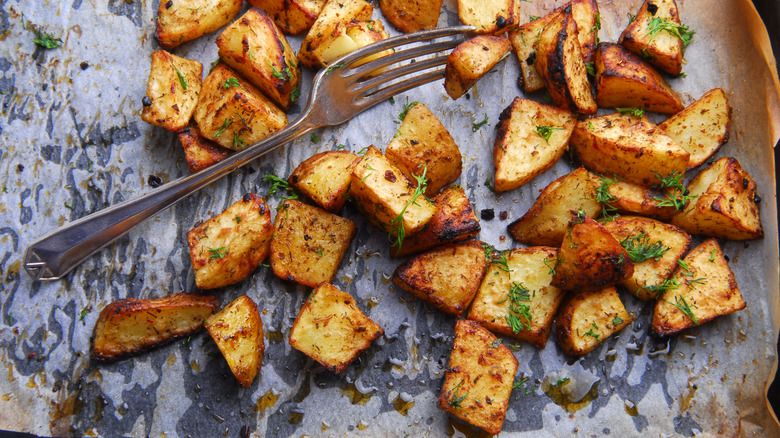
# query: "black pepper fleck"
(84, 65)
(20, 167)
(652, 8)
(146, 101)
(154, 181)
(503, 215)
(487, 214)
(500, 22)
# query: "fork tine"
(371, 85)
(367, 100)
(402, 55)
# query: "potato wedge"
(588, 318)
(325, 177)
(531, 138)
(348, 37)
(411, 15)
(199, 151)
(171, 91)
(525, 41)
(488, 16)
(186, 20)
(586, 14)
(644, 37)
(238, 332)
(726, 203)
(623, 79)
(129, 326)
(331, 329)
(704, 289)
(471, 60)
(702, 127)
(333, 13)
(623, 197)
(292, 16)
(479, 378)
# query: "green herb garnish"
(279, 184)
(680, 303)
(518, 295)
(591, 67)
(636, 112)
(593, 332)
(605, 198)
(457, 400)
(616, 321)
(492, 256)
(668, 284)
(402, 114)
(658, 24)
(676, 194)
(475, 126)
(224, 126)
(284, 75)
(546, 131)
(554, 266)
(182, 81)
(397, 231)
(230, 82)
(315, 138)
(640, 249)
(218, 253)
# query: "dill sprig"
(676, 194)
(658, 24)
(496, 257)
(680, 303)
(518, 296)
(605, 198)
(397, 231)
(640, 249)
(279, 184)
(546, 131)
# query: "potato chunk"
(531, 138)
(292, 16)
(171, 91)
(726, 203)
(334, 12)
(331, 329)
(238, 332)
(525, 41)
(325, 177)
(411, 15)
(255, 47)
(626, 197)
(471, 60)
(479, 378)
(199, 151)
(348, 37)
(588, 318)
(516, 299)
(586, 14)
(185, 20)
(423, 143)
(660, 48)
(447, 277)
(488, 16)
(130, 326)
(704, 289)
(309, 243)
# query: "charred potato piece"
(702, 127)
(238, 332)
(725, 205)
(626, 197)
(704, 288)
(334, 12)
(624, 80)
(479, 378)
(309, 243)
(471, 60)
(423, 144)
(546, 221)
(199, 151)
(525, 41)
(411, 15)
(488, 16)
(531, 138)
(447, 277)
(588, 318)
(453, 221)
(348, 37)
(661, 49)
(586, 14)
(230, 246)
(180, 21)
(331, 329)
(130, 326)
(233, 113)
(171, 91)
(292, 16)
(517, 299)
(255, 47)
(324, 178)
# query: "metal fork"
(338, 93)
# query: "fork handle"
(58, 252)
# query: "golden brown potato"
(324, 178)
(702, 127)
(586, 14)
(171, 91)
(309, 243)
(525, 41)
(348, 37)
(479, 378)
(411, 15)
(228, 247)
(185, 20)
(255, 47)
(331, 329)
(546, 221)
(488, 16)
(631, 148)
(238, 332)
(292, 16)
(725, 205)
(588, 318)
(623, 80)
(561, 66)
(471, 60)
(446, 277)
(334, 12)
(704, 288)
(423, 143)
(644, 36)
(130, 326)
(453, 221)
(531, 138)
(199, 151)
(625, 197)
(233, 113)
(516, 298)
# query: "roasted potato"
(588, 318)
(238, 332)
(525, 41)
(233, 113)
(704, 288)
(411, 15)
(324, 178)
(334, 12)
(348, 37)
(471, 60)
(618, 196)
(531, 138)
(228, 247)
(586, 14)
(292, 16)
(331, 329)
(516, 298)
(479, 377)
(447, 277)
(199, 151)
(309, 243)
(130, 326)
(453, 221)
(631, 148)
(423, 145)
(725, 205)
(186, 20)
(546, 221)
(171, 91)
(702, 127)
(624, 80)
(489, 16)
(644, 37)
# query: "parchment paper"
(72, 142)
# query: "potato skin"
(471, 60)
(238, 332)
(325, 178)
(186, 20)
(632, 198)
(171, 99)
(488, 17)
(411, 15)
(584, 309)
(292, 16)
(200, 152)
